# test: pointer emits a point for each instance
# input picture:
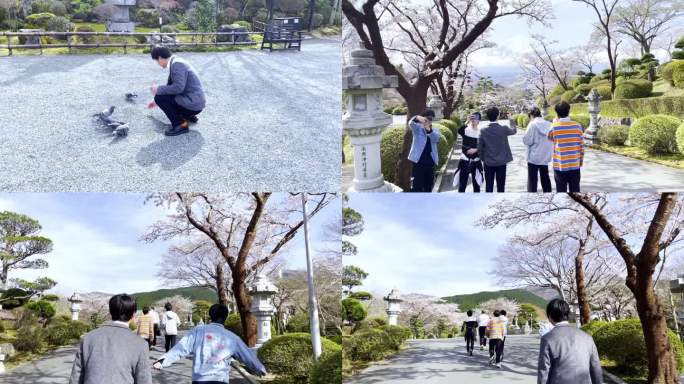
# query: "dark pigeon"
(131, 96)
(121, 130)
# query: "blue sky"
(96, 239)
(427, 246)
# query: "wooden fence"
(66, 40)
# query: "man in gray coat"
(494, 150)
(567, 355)
(182, 98)
(112, 354)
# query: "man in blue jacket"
(212, 347)
(423, 153)
(182, 98)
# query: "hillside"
(473, 299)
(193, 293)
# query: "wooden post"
(40, 45)
(69, 42)
(125, 43)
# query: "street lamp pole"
(314, 325)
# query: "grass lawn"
(673, 160)
(663, 88)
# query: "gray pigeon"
(121, 130)
(107, 112)
(131, 96)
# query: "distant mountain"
(472, 300)
(193, 293)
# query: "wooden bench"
(274, 34)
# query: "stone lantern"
(75, 301)
(261, 291)
(594, 100)
(393, 306)
(677, 286)
(364, 119)
(437, 105)
(121, 20)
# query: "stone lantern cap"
(75, 298)
(363, 73)
(677, 285)
(262, 285)
(393, 297)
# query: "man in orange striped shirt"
(568, 150)
(145, 326)
(495, 332)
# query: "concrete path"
(602, 172)
(445, 362)
(55, 368)
(272, 123)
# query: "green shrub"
(169, 29)
(443, 148)
(622, 341)
(454, 117)
(39, 19)
(390, 151)
(583, 89)
(65, 333)
(633, 89)
(655, 133)
(42, 308)
(328, 369)
(353, 310)
(671, 105)
(614, 134)
(567, 96)
(597, 80)
(604, 92)
(13, 298)
(557, 90)
(86, 39)
(582, 120)
(451, 125)
(448, 135)
(522, 120)
(60, 24)
(678, 73)
(147, 17)
(666, 72)
(397, 335)
(291, 355)
(244, 24)
(388, 110)
(593, 326)
(367, 345)
(234, 324)
(680, 138)
(30, 333)
(400, 110)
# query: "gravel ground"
(272, 123)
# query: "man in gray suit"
(112, 354)
(182, 98)
(567, 355)
(494, 150)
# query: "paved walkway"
(55, 368)
(602, 172)
(445, 362)
(272, 123)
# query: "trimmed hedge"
(567, 96)
(390, 151)
(291, 355)
(522, 120)
(633, 89)
(65, 333)
(680, 138)
(614, 134)
(451, 125)
(583, 89)
(328, 369)
(678, 73)
(655, 133)
(448, 135)
(374, 344)
(670, 105)
(443, 148)
(604, 92)
(40, 19)
(622, 341)
(666, 71)
(593, 326)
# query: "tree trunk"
(416, 98)
(243, 302)
(662, 367)
(582, 301)
(221, 284)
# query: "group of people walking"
(566, 353)
(492, 329)
(486, 152)
(113, 354)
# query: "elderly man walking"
(567, 355)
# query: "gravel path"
(272, 123)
